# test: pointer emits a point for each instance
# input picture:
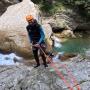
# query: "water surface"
(8, 59)
(78, 45)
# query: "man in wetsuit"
(37, 38)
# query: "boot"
(36, 65)
(45, 65)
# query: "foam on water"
(56, 58)
(8, 59)
(57, 41)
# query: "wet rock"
(66, 57)
(27, 78)
(87, 54)
(5, 3)
(83, 29)
(13, 33)
(63, 23)
(47, 30)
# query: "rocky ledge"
(22, 77)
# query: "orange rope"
(61, 76)
(58, 72)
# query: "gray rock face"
(65, 18)
(21, 77)
(83, 28)
(13, 28)
(13, 24)
(64, 21)
(5, 3)
(13, 33)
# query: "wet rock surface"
(13, 33)
(5, 3)
(22, 77)
(83, 29)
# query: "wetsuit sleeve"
(29, 34)
(42, 35)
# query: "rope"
(60, 74)
(72, 76)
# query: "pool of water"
(78, 45)
(8, 59)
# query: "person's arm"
(29, 34)
(42, 35)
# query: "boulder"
(13, 33)
(22, 77)
(64, 22)
(48, 32)
(85, 27)
(13, 28)
(5, 3)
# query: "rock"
(85, 85)
(13, 32)
(57, 29)
(13, 26)
(64, 23)
(87, 54)
(5, 3)
(64, 18)
(67, 33)
(47, 30)
(65, 57)
(83, 28)
(19, 77)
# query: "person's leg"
(35, 53)
(43, 47)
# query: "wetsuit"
(36, 35)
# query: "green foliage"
(46, 7)
(53, 6)
(36, 1)
(83, 6)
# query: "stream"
(77, 46)
(8, 59)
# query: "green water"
(78, 45)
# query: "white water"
(56, 57)
(57, 41)
(8, 59)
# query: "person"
(37, 38)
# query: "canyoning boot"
(36, 65)
(45, 65)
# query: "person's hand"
(37, 45)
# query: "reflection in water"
(79, 45)
(57, 43)
(8, 59)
